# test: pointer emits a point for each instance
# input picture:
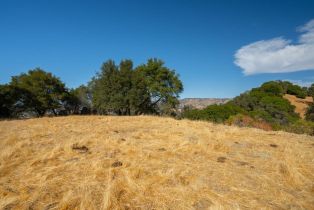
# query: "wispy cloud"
(278, 55)
(302, 83)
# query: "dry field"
(95, 162)
(300, 104)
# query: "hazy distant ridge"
(200, 103)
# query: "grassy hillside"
(275, 105)
(146, 162)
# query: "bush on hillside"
(279, 88)
(272, 88)
(310, 113)
(310, 90)
(249, 100)
(269, 107)
(273, 104)
(262, 107)
(297, 91)
(260, 114)
(300, 127)
(214, 113)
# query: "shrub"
(269, 107)
(249, 100)
(300, 127)
(261, 114)
(297, 91)
(262, 107)
(310, 113)
(277, 103)
(272, 88)
(310, 90)
(214, 113)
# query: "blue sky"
(199, 39)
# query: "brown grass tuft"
(95, 162)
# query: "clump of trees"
(35, 92)
(150, 88)
(262, 107)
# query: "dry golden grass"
(300, 104)
(166, 164)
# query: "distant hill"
(200, 103)
(275, 105)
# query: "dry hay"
(94, 162)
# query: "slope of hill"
(201, 103)
(300, 104)
(98, 162)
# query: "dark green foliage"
(263, 104)
(272, 88)
(162, 83)
(250, 100)
(278, 88)
(7, 101)
(289, 88)
(280, 109)
(300, 127)
(149, 88)
(284, 84)
(215, 113)
(310, 113)
(105, 87)
(262, 107)
(261, 114)
(139, 96)
(112, 88)
(71, 102)
(37, 91)
(297, 91)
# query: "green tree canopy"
(272, 88)
(7, 101)
(78, 100)
(162, 84)
(38, 91)
(145, 89)
(107, 93)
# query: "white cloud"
(278, 55)
(302, 83)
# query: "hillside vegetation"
(275, 105)
(154, 89)
(116, 89)
(141, 162)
